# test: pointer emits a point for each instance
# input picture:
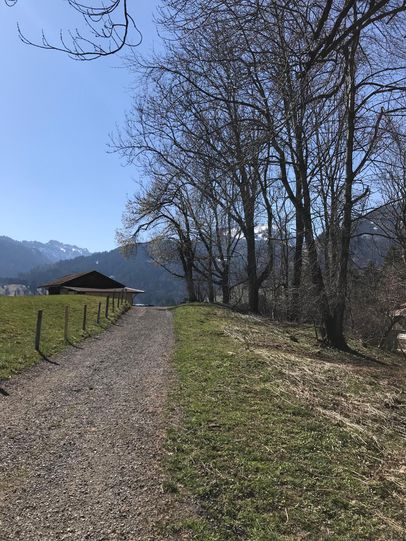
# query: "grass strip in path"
(281, 439)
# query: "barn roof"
(64, 279)
(98, 290)
(70, 277)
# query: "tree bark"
(253, 294)
(335, 327)
(294, 307)
(225, 285)
(190, 284)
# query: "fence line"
(84, 317)
(38, 330)
(66, 326)
(40, 317)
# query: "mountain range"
(29, 263)
(136, 270)
(54, 250)
(17, 257)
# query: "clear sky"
(57, 180)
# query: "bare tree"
(215, 135)
(108, 27)
(273, 94)
(164, 206)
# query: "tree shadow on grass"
(369, 358)
(350, 356)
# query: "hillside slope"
(15, 257)
(281, 438)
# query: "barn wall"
(54, 290)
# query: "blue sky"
(57, 179)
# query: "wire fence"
(111, 309)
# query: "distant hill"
(18, 257)
(372, 238)
(138, 271)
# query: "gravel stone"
(82, 438)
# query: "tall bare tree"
(289, 94)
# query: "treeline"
(285, 115)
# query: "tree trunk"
(253, 296)
(190, 286)
(294, 305)
(210, 288)
(315, 268)
(225, 286)
(210, 285)
(187, 263)
(335, 330)
(225, 290)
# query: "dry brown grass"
(365, 391)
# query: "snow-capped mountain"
(54, 250)
(18, 257)
(261, 233)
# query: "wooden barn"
(90, 283)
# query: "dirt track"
(82, 435)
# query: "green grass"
(18, 320)
(280, 439)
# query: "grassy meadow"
(278, 438)
(18, 320)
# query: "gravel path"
(81, 438)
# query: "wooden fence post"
(107, 307)
(98, 313)
(114, 298)
(38, 330)
(84, 317)
(66, 326)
